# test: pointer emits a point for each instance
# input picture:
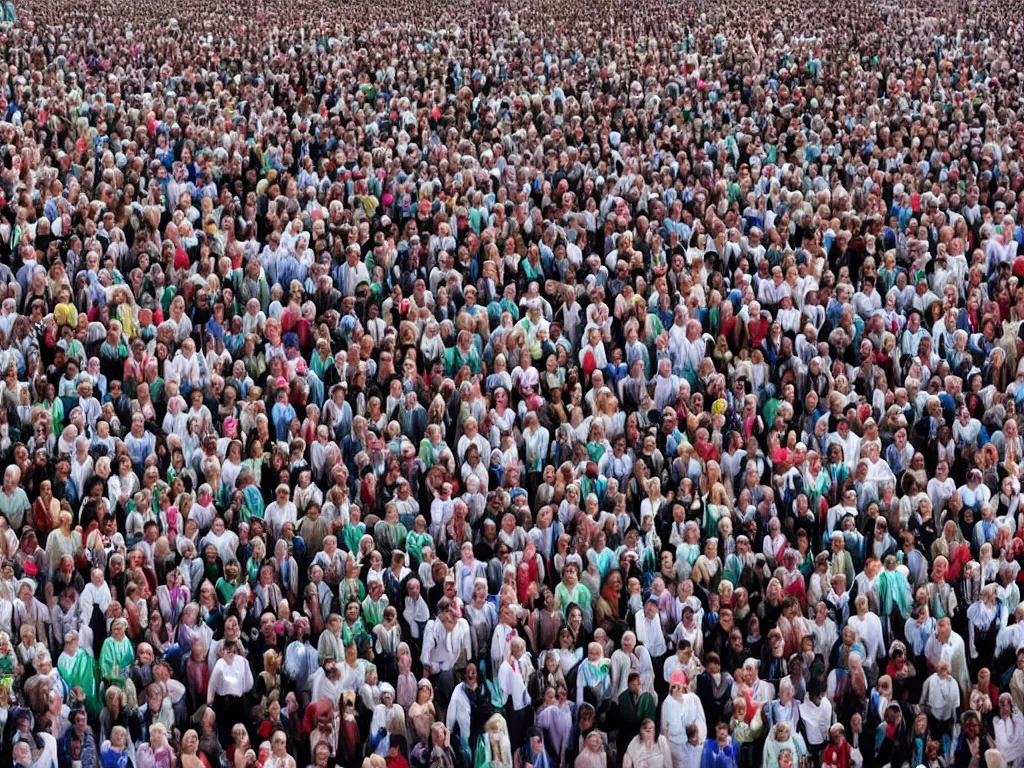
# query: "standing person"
(230, 681)
(648, 749)
(681, 710)
(446, 647)
(635, 707)
(837, 753)
(816, 718)
(722, 751)
(76, 748)
(513, 678)
(973, 742)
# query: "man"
(721, 751)
(77, 748)
(714, 689)
(816, 715)
(13, 500)
(141, 672)
(330, 645)
(468, 711)
(514, 677)
(649, 632)
(940, 700)
(326, 682)
(446, 643)
(266, 640)
(946, 645)
(635, 706)
(300, 662)
(504, 633)
(972, 744)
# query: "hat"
(678, 678)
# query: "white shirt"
(940, 697)
(677, 716)
(816, 719)
(234, 679)
(513, 686)
(276, 515)
(649, 634)
(441, 648)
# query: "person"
(816, 717)
(593, 754)
(680, 711)
(635, 706)
(533, 753)
(973, 743)
(837, 753)
(513, 678)
(77, 747)
(279, 757)
(722, 751)
(940, 700)
(1008, 726)
(648, 749)
(229, 682)
(783, 743)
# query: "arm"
(428, 647)
(211, 688)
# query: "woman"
(984, 619)
(157, 752)
(681, 710)
(630, 657)
(493, 749)
(784, 709)
(594, 753)
(722, 751)
(555, 719)
(117, 654)
(837, 753)
(230, 681)
(279, 757)
(422, 713)
(781, 741)
(77, 668)
(46, 511)
(191, 757)
(1009, 732)
(594, 681)
(647, 750)
(114, 752)
(533, 752)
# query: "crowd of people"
(511, 385)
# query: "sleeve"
(247, 678)
(428, 644)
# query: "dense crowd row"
(511, 385)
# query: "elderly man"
(14, 503)
(446, 643)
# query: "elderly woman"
(782, 740)
(680, 711)
(648, 750)
(1008, 726)
(77, 669)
